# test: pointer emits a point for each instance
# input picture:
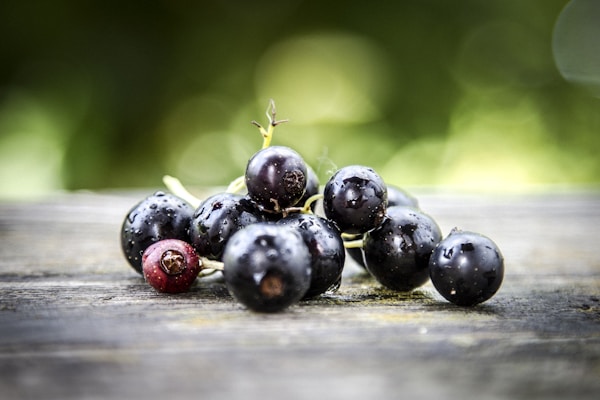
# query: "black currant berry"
(355, 198)
(466, 268)
(170, 266)
(267, 266)
(396, 197)
(276, 178)
(157, 217)
(397, 252)
(216, 219)
(326, 248)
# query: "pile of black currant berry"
(274, 249)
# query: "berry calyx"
(170, 266)
(173, 262)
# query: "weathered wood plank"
(77, 322)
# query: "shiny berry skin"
(157, 217)
(466, 268)
(397, 252)
(326, 248)
(355, 198)
(267, 267)
(276, 178)
(170, 266)
(396, 197)
(216, 219)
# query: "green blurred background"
(106, 94)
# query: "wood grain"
(76, 322)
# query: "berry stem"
(176, 187)
(236, 185)
(352, 240)
(305, 209)
(209, 267)
(308, 203)
(267, 134)
(353, 244)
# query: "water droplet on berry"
(272, 254)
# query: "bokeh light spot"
(31, 149)
(576, 44)
(325, 77)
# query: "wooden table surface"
(76, 322)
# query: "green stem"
(354, 244)
(206, 263)
(267, 134)
(209, 267)
(308, 203)
(237, 185)
(176, 187)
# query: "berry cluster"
(274, 249)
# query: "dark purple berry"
(396, 197)
(276, 178)
(326, 249)
(157, 217)
(267, 267)
(397, 252)
(170, 266)
(216, 219)
(355, 198)
(466, 268)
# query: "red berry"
(170, 266)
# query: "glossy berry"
(216, 219)
(355, 198)
(157, 217)
(170, 266)
(396, 197)
(326, 249)
(267, 267)
(276, 178)
(397, 252)
(466, 268)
